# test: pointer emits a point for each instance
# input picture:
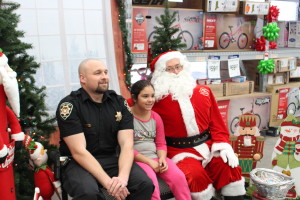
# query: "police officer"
(93, 122)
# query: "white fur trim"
(236, 188)
(203, 150)
(3, 151)
(160, 64)
(37, 151)
(56, 184)
(206, 194)
(11, 89)
(188, 115)
(277, 151)
(217, 147)
(182, 156)
(18, 136)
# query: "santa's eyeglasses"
(174, 68)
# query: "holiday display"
(163, 40)
(271, 31)
(260, 44)
(285, 157)
(247, 143)
(266, 66)
(10, 130)
(44, 178)
(273, 14)
(34, 118)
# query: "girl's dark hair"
(138, 86)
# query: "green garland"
(128, 55)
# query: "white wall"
(63, 33)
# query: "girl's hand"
(154, 165)
(163, 165)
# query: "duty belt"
(188, 142)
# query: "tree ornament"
(270, 32)
(266, 66)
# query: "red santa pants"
(216, 172)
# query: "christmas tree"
(163, 34)
(34, 118)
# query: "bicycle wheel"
(234, 124)
(291, 109)
(186, 38)
(258, 120)
(242, 41)
(150, 37)
(224, 40)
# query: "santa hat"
(34, 148)
(159, 63)
(247, 120)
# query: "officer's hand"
(154, 165)
(117, 188)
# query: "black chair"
(165, 192)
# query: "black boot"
(241, 197)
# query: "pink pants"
(174, 177)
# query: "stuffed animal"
(43, 175)
(247, 143)
(10, 129)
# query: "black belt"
(188, 142)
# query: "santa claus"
(197, 138)
(10, 130)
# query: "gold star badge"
(118, 116)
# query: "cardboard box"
(294, 34)
(222, 5)
(240, 88)
(283, 37)
(276, 117)
(295, 73)
(281, 65)
(256, 8)
(219, 90)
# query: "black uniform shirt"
(100, 122)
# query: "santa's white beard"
(181, 84)
(181, 87)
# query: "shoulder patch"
(204, 91)
(127, 106)
(65, 110)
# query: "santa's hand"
(229, 157)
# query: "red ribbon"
(272, 45)
(273, 14)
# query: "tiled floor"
(265, 161)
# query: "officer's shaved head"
(84, 64)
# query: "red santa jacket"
(207, 115)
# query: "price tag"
(213, 67)
(234, 65)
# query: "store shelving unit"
(197, 56)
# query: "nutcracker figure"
(10, 130)
(247, 143)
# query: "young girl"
(150, 145)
